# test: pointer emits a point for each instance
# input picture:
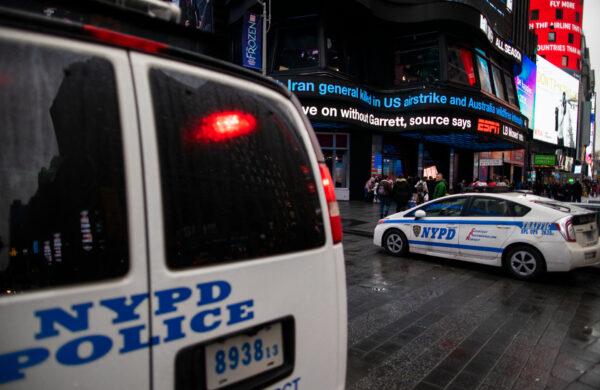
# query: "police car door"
(487, 225)
(438, 230)
(73, 274)
(244, 286)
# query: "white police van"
(526, 234)
(166, 219)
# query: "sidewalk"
(359, 218)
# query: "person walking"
(369, 190)
(441, 187)
(576, 191)
(421, 191)
(401, 193)
(384, 193)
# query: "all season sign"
(312, 87)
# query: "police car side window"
(518, 210)
(488, 207)
(63, 214)
(236, 177)
(443, 208)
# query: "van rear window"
(63, 214)
(236, 177)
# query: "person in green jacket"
(440, 187)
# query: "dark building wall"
(360, 162)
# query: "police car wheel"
(524, 262)
(395, 242)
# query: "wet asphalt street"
(430, 323)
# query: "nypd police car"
(526, 234)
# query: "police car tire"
(529, 255)
(395, 242)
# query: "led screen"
(525, 82)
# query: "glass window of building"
(535, 14)
(63, 209)
(565, 61)
(337, 156)
(483, 71)
(559, 14)
(335, 53)
(571, 38)
(551, 36)
(460, 66)
(577, 17)
(418, 65)
(498, 83)
(297, 48)
(510, 89)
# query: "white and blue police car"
(526, 234)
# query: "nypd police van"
(166, 219)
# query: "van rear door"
(73, 271)
(249, 289)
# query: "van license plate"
(243, 356)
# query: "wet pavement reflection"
(429, 323)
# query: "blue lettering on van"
(291, 385)
(438, 233)
(75, 320)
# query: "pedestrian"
(441, 187)
(421, 191)
(401, 193)
(384, 193)
(430, 185)
(576, 191)
(369, 190)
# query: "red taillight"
(567, 230)
(335, 219)
(221, 126)
(124, 40)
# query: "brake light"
(565, 226)
(335, 219)
(124, 40)
(221, 126)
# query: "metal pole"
(420, 160)
(264, 37)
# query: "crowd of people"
(407, 192)
(404, 192)
(567, 191)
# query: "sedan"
(526, 234)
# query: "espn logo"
(487, 126)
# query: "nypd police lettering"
(212, 314)
(538, 228)
(434, 232)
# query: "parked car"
(526, 234)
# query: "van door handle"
(504, 227)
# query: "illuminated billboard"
(525, 82)
(555, 118)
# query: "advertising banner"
(544, 160)
(252, 41)
(525, 82)
(556, 103)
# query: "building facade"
(405, 87)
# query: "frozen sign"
(251, 41)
